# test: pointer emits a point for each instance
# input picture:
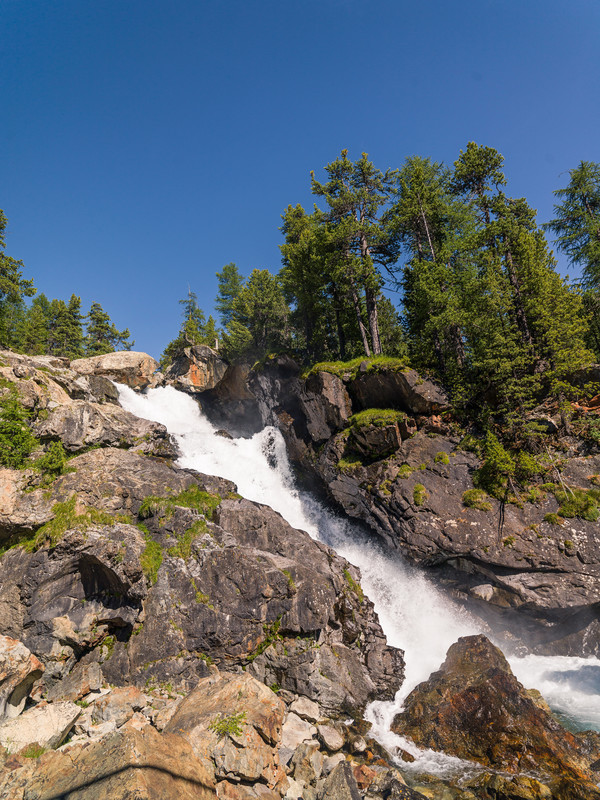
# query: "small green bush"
(476, 498)
(16, 440)
(66, 519)
(420, 494)
(228, 726)
(441, 458)
(33, 750)
(194, 498)
(151, 559)
(354, 586)
(553, 519)
(404, 472)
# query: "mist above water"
(415, 615)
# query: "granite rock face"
(136, 370)
(197, 369)
(407, 480)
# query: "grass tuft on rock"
(476, 498)
(420, 494)
(66, 518)
(379, 417)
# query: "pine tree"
(260, 319)
(577, 221)
(13, 288)
(355, 193)
(230, 285)
(431, 226)
(102, 336)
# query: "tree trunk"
(519, 308)
(357, 310)
(370, 296)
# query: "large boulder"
(19, 669)
(196, 369)
(81, 425)
(476, 709)
(404, 389)
(46, 725)
(233, 723)
(128, 764)
(136, 370)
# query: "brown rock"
(475, 708)
(125, 765)
(197, 369)
(18, 671)
(119, 705)
(233, 721)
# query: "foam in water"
(415, 616)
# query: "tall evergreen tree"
(577, 220)
(102, 336)
(230, 286)
(13, 288)
(355, 193)
(260, 319)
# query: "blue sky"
(145, 143)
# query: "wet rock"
(475, 708)
(133, 369)
(47, 725)
(196, 369)
(19, 669)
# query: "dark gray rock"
(402, 389)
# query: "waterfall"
(414, 614)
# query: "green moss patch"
(420, 494)
(65, 519)
(348, 370)
(194, 497)
(379, 417)
(476, 498)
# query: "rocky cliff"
(381, 443)
(162, 637)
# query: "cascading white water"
(414, 615)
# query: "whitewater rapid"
(414, 614)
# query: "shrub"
(404, 472)
(228, 726)
(16, 440)
(441, 458)
(553, 519)
(419, 494)
(476, 498)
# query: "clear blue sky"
(146, 143)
